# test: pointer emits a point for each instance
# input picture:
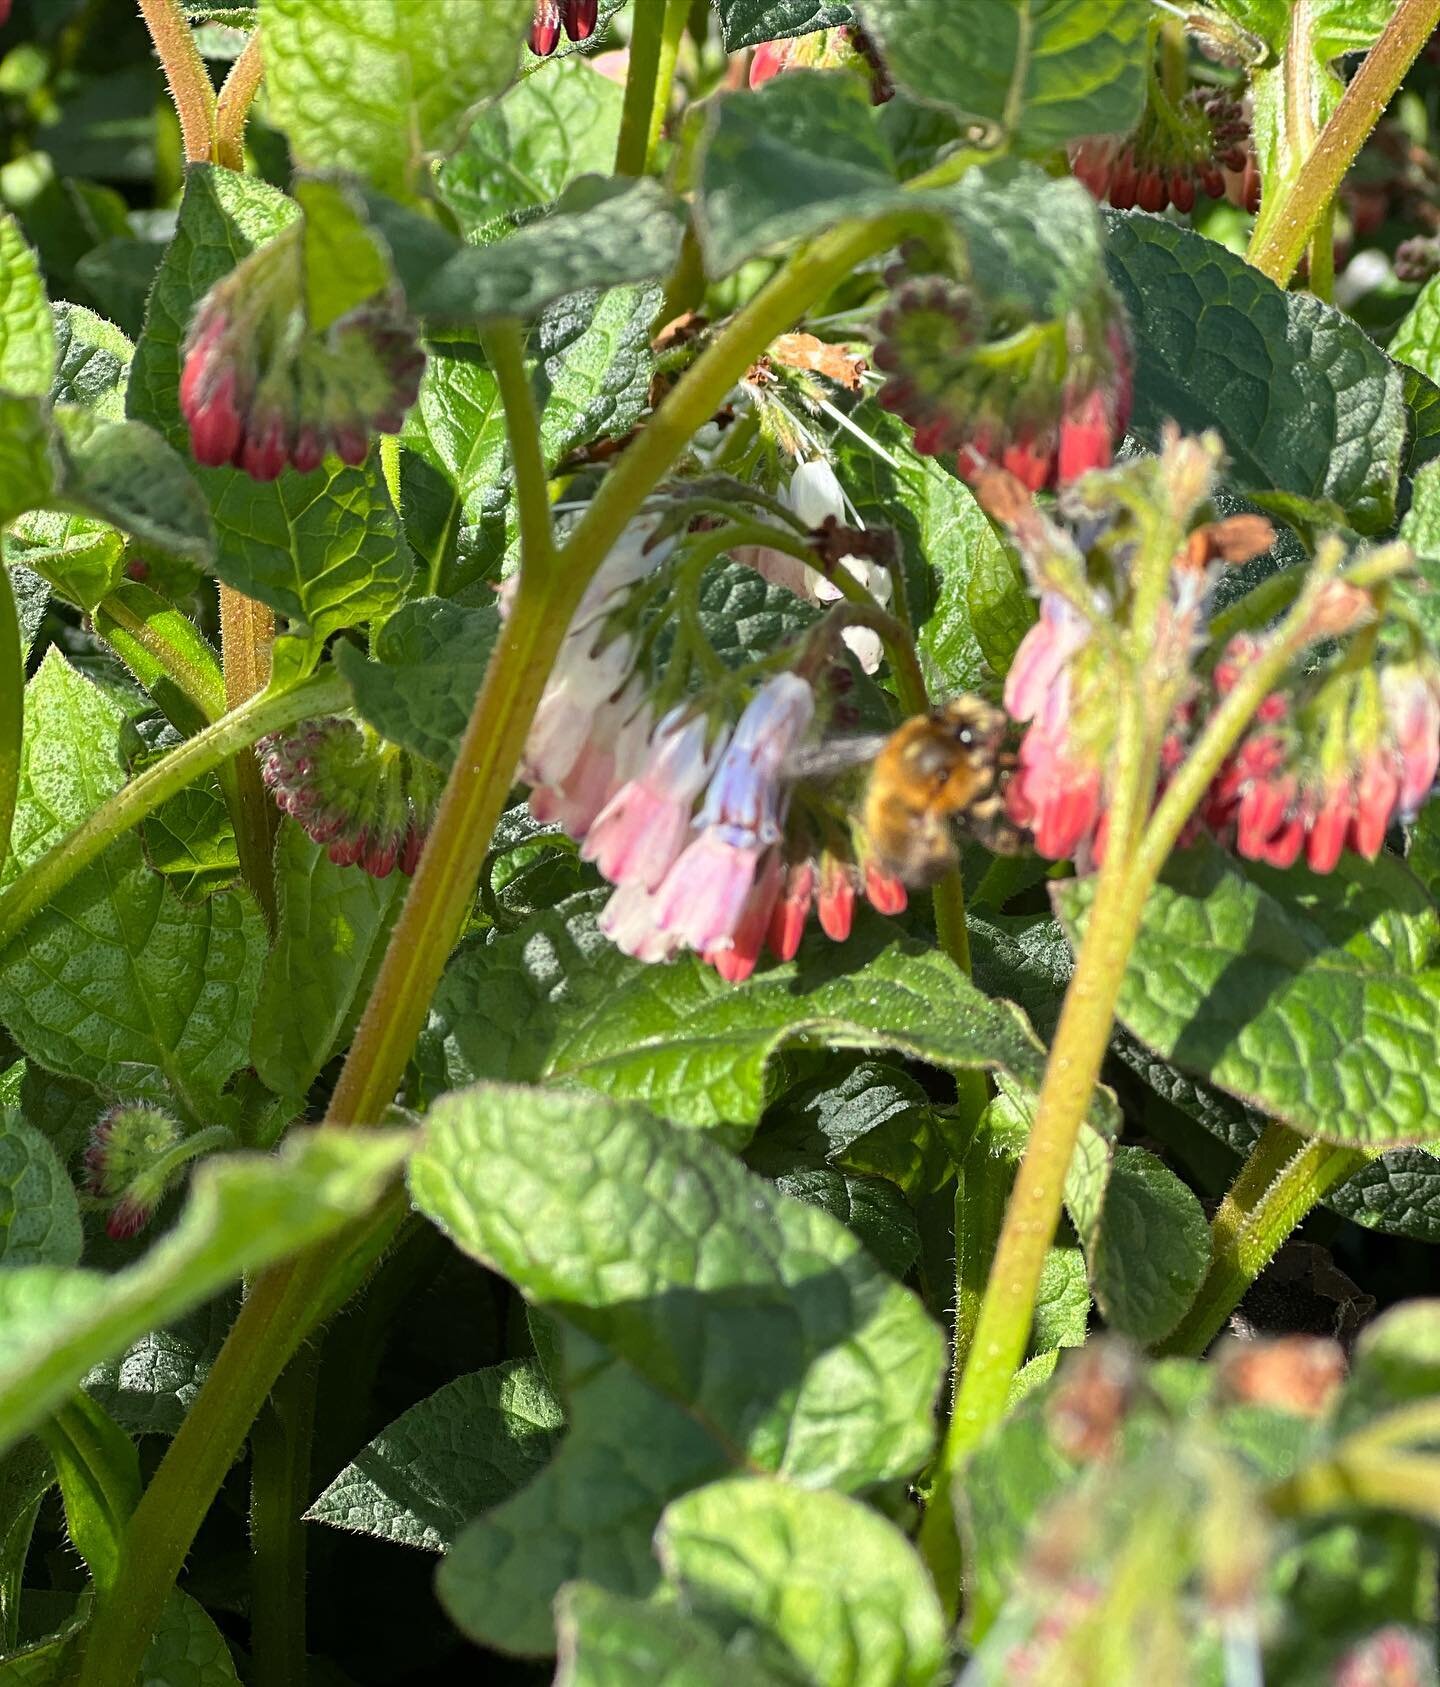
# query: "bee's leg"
(988, 823)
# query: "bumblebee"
(948, 766)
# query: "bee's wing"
(834, 757)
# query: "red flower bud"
(545, 30)
(580, 17)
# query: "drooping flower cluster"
(128, 1161)
(368, 800)
(1200, 145)
(578, 18)
(1328, 764)
(1052, 405)
(688, 816)
(261, 390)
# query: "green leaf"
(1062, 1305)
(593, 366)
(622, 1264)
(1398, 1194)
(189, 838)
(1151, 1250)
(223, 217)
(602, 232)
(325, 549)
(92, 362)
(26, 1476)
(748, 23)
(591, 1511)
(430, 660)
(1417, 340)
(1310, 998)
(344, 263)
(27, 341)
(117, 982)
(126, 474)
(874, 1118)
(188, 1650)
(533, 142)
(1218, 345)
(98, 1468)
(39, 1215)
(1041, 71)
(456, 1454)
(28, 469)
(786, 161)
(562, 1006)
(876, 1211)
(333, 927)
(83, 560)
(606, 1640)
(149, 1387)
(379, 94)
(244, 1212)
(842, 1590)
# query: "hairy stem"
(186, 75)
(279, 1493)
(12, 708)
(42, 880)
(677, 13)
(232, 108)
(158, 644)
(504, 345)
(1284, 1177)
(247, 631)
(646, 37)
(1282, 233)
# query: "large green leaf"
(117, 982)
(627, 1451)
(607, 1640)
(1218, 345)
(554, 1003)
(149, 1387)
(27, 341)
(602, 232)
(1041, 71)
(333, 926)
(532, 143)
(748, 23)
(126, 474)
(1314, 999)
(452, 1456)
(377, 90)
(841, 1590)
(39, 1215)
(1150, 1250)
(244, 1212)
(28, 468)
(92, 362)
(430, 660)
(760, 1320)
(83, 560)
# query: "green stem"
(280, 1446)
(232, 108)
(1321, 276)
(280, 1309)
(1284, 1177)
(247, 632)
(12, 708)
(186, 74)
(1282, 231)
(1408, 1483)
(42, 880)
(504, 345)
(286, 1303)
(676, 14)
(646, 38)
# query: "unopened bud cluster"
(687, 815)
(1201, 145)
(126, 1163)
(259, 389)
(1051, 405)
(368, 801)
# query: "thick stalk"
(1321, 267)
(286, 1304)
(247, 631)
(42, 880)
(676, 14)
(157, 643)
(1281, 234)
(646, 33)
(12, 708)
(186, 74)
(504, 345)
(280, 1309)
(279, 1494)
(237, 95)
(1284, 1177)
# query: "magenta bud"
(545, 30)
(580, 18)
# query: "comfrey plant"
(717, 759)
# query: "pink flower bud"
(1412, 707)
(700, 900)
(1377, 791)
(1328, 829)
(885, 893)
(628, 920)
(580, 17)
(644, 826)
(123, 1163)
(1044, 655)
(836, 902)
(736, 960)
(545, 30)
(788, 917)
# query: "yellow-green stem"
(247, 631)
(232, 108)
(1278, 1185)
(676, 13)
(186, 75)
(647, 30)
(12, 708)
(1282, 230)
